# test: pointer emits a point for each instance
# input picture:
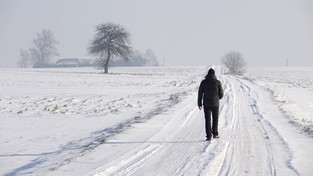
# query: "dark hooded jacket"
(210, 91)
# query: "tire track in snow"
(134, 162)
(235, 114)
(251, 138)
(143, 154)
(239, 148)
(270, 134)
(253, 104)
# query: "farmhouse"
(69, 62)
(73, 62)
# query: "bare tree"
(151, 58)
(44, 48)
(24, 61)
(234, 62)
(111, 40)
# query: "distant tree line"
(43, 49)
(137, 59)
(111, 46)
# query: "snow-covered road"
(249, 145)
(256, 139)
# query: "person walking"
(210, 91)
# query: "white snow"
(145, 121)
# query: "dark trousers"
(207, 115)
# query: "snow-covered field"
(144, 121)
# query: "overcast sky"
(183, 32)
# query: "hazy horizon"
(180, 32)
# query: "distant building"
(74, 62)
(70, 62)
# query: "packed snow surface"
(145, 121)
